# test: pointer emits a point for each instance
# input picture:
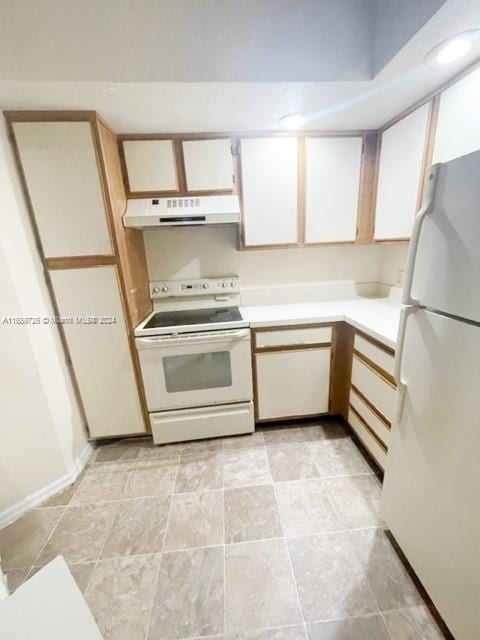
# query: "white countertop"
(378, 317)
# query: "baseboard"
(33, 500)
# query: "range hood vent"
(181, 211)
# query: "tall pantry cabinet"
(96, 269)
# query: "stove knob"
(205, 285)
(224, 285)
(155, 290)
(164, 289)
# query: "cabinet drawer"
(292, 383)
(202, 422)
(377, 355)
(367, 439)
(371, 418)
(293, 336)
(380, 393)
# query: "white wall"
(207, 252)
(392, 264)
(41, 428)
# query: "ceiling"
(361, 95)
(204, 40)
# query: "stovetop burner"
(187, 317)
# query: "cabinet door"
(332, 188)
(208, 164)
(150, 165)
(61, 172)
(269, 190)
(292, 383)
(458, 125)
(100, 353)
(400, 174)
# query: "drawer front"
(293, 336)
(380, 393)
(367, 439)
(206, 422)
(370, 417)
(292, 383)
(377, 355)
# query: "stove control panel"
(226, 286)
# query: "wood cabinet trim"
(341, 373)
(180, 165)
(80, 262)
(368, 189)
(120, 275)
(213, 135)
(47, 115)
(301, 191)
(429, 146)
(307, 346)
(375, 342)
(372, 407)
(369, 429)
(296, 417)
(287, 327)
(379, 372)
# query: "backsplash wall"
(208, 252)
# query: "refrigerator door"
(446, 273)
(431, 491)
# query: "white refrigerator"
(431, 491)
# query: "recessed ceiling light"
(294, 120)
(452, 49)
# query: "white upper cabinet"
(150, 165)
(60, 167)
(332, 188)
(270, 193)
(208, 164)
(400, 174)
(458, 125)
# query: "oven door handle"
(186, 339)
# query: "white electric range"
(195, 358)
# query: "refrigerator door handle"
(401, 384)
(417, 227)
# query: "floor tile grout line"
(157, 573)
(386, 626)
(295, 583)
(360, 564)
(34, 565)
(99, 557)
(203, 490)
(224, 568)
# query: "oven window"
(197, 371)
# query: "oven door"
(196, 369)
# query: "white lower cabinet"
(292, 383)
(100, 353)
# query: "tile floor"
(271, 536)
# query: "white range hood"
(181, 211)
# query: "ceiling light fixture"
(453, 48)
(293, 121)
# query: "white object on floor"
(3, 583)
(49, 606)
